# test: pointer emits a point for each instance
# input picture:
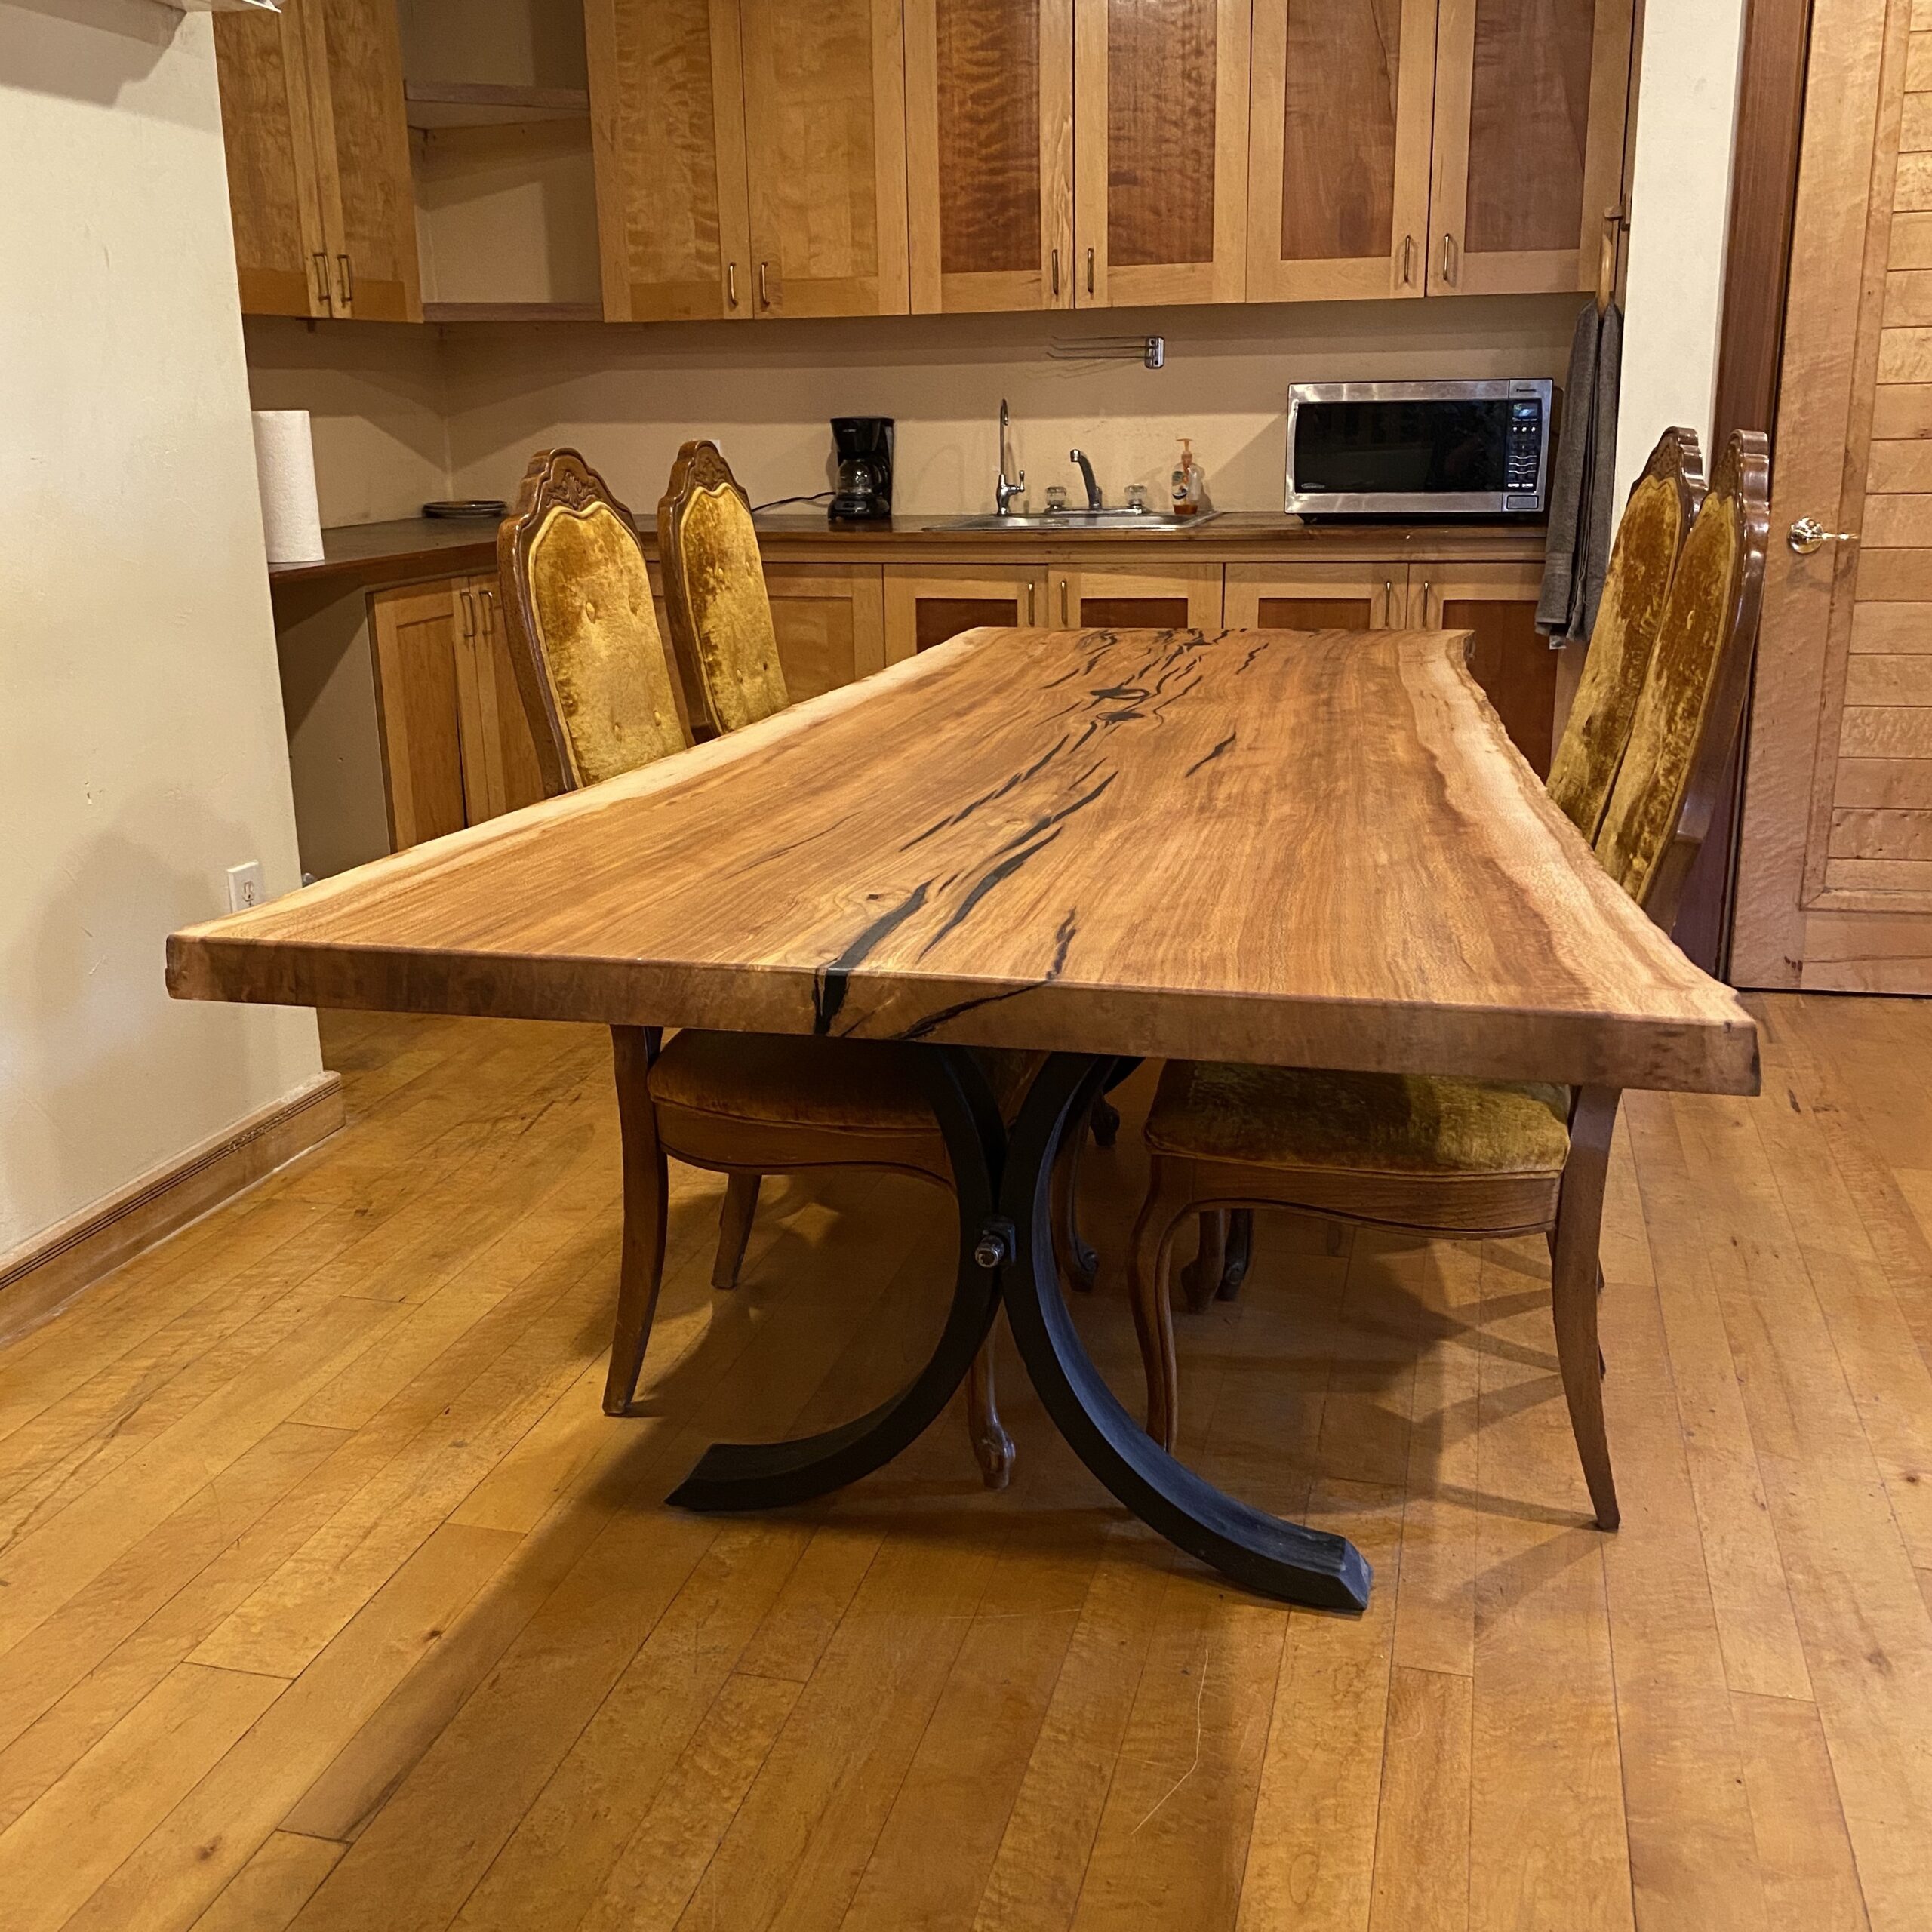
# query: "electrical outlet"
(245, 886)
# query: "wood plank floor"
(330, 1599)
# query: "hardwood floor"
(330, 1598)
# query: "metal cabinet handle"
(763, 293)
(486, 602)
(1449, 258)
(1408, 259)
(348, 281)
(731, 284)
(468, 601)
(1056, 271)
(1032, 611)
(1388, 604)
(1090, 271)
(1424, 601)
(1066, 603)
(1807, 536)
(322, 294)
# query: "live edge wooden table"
(1302, 848)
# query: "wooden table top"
(1295, 847)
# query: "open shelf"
(512, 311)
(430, 104)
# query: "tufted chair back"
(590, 663)
(714, 594)
(1692, 703)
(1642, 562)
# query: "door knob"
(1808, 536)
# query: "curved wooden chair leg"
(1078, 1263)
(734, 1228)
(1153, 1314)
(1576, 1280)
(993, 1447)
(1201, 1279)
(646, 1193)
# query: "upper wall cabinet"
(1338, 184)
(667, 125)
(1160, 108)
(751, 156)
(1531, 97)
(318, 160)
(989, 153)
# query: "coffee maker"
(864, 491)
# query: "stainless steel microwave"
(1419, 449)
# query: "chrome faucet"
(1087, 473)
(1004, 491)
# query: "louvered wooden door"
(1834, 882)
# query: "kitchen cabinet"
(989, 154)
(1112, 596)
(830, 622)
(750, 157)
(1531, 97)
(924, 605)
(318, 160)
(668, 132)
(1160, 162)
(1371, 596)
(1509, 656)
(456, 746)
(1340, 115)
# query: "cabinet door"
(415, 635)
(1161, 90)
(368, 200)
(500, 772)
(1339, 139)
(1370, 596)
(925, 607)
(667, 126)
(1509, 656)
(830, 620)
(825, 154)
(1187, 597)
(262, 61)
(1530, 99)
(989, 153)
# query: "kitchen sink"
(1120, 517)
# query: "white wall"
(627, 396)
(141, 746)
(1680, 217)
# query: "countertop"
(421, 546)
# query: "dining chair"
(722, 631)
(1461, 1159)
(599, 692)
(1643, 558)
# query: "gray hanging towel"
(1582, 487)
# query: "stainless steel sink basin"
(1121, 518)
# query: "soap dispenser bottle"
(1187, 481)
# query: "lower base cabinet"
(830, 622)
(457, 748)
(1496, 603)
(924, 606)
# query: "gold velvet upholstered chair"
(714, 594)
(601, 700)
(1451, 1158)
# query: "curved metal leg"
(1276, 1558)
(766, 1476)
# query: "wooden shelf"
(512, 311)
(431, 104)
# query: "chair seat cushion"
(799, 1080)
(1401, 1123)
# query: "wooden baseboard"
(38, 1276)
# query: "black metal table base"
(1006, 1250)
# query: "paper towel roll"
(285, 468)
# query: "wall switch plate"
(245, 886)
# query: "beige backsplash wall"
(375, 393)
(627, 396)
